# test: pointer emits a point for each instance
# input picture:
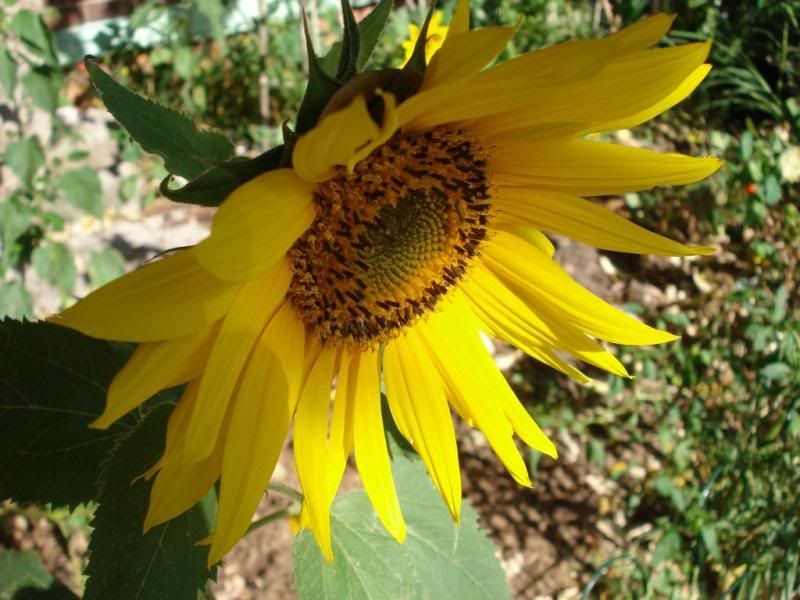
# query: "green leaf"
(776, 371)
(163, 563)
(781, 300)
(211, 14)
(320, 89)
(8, 73)
(128, 186)
(746, 145)
(43, 85)
(16, 303)
(772, 190)
(20, 570)
(52, 385)
(23, 576)
(186, 150)
(24, 157)
(438, 559)
(52, 261)
(709, 536)
(105, 266)
(667, 547)
(82, 189)
(30, 28)
(15, 222)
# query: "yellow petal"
(256, 225)
(686, 87)
(533, 236)
(179, 421)
(168, 298)
(460, 21)
(153, 367)
(417, 400)
(451, 337)
(622, 91)
(371, 453)
(254, 306)
(584, 221)
(595, 169)
(533, 347)
(310, 447)
(343, 138)
(503, 99)
(178, 488)
(529, 328)
(464, 55)
(544, 286)
(340, 438)
(176, 428)
(259, 421)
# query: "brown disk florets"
(391, 237)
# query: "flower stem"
(286, 490)
(278, 514)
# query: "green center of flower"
(391, 238)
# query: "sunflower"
(404, 228)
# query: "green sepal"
(212, 186)
(351, 44)
(320, 89)
(187, 151)
(369, 29)
(289, 139)
(417, 61)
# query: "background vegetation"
(695, 464)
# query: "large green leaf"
(53, 262)
(25, 157)
(52, 385)
(438, 559)
(164, 563)
(187, 151)
(82, 188)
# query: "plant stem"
(278, 514)
(286, 490)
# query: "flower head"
(401, 231)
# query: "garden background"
(680, 483)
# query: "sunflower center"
(392, 237)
